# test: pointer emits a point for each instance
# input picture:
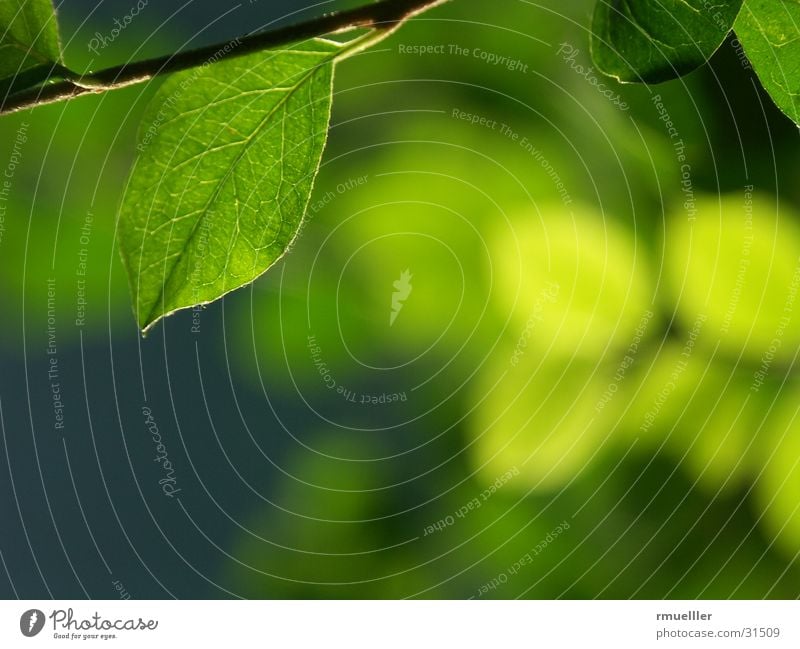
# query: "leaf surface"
(28, 37)
(769, 31)
(657, 40)
(228, 157)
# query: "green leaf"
(769, 31)
(652, 41)
(28, 37)
(228, 157)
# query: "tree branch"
(383, 15)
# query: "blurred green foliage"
(74, 158)
(634, 402)
(549, 325)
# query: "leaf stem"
(383, 16)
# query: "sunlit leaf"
(28, 38)
(769, 31)
(228, 156)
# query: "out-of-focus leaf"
(700, 411)
(228, 159)
(738, 263)
(539, 418)
(656, 40)
(778, 482)
(81, 148)
(574, 281)
(769, 31)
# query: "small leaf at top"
(228, 157)
(769, 31)
(652, 41)
(28, 37)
